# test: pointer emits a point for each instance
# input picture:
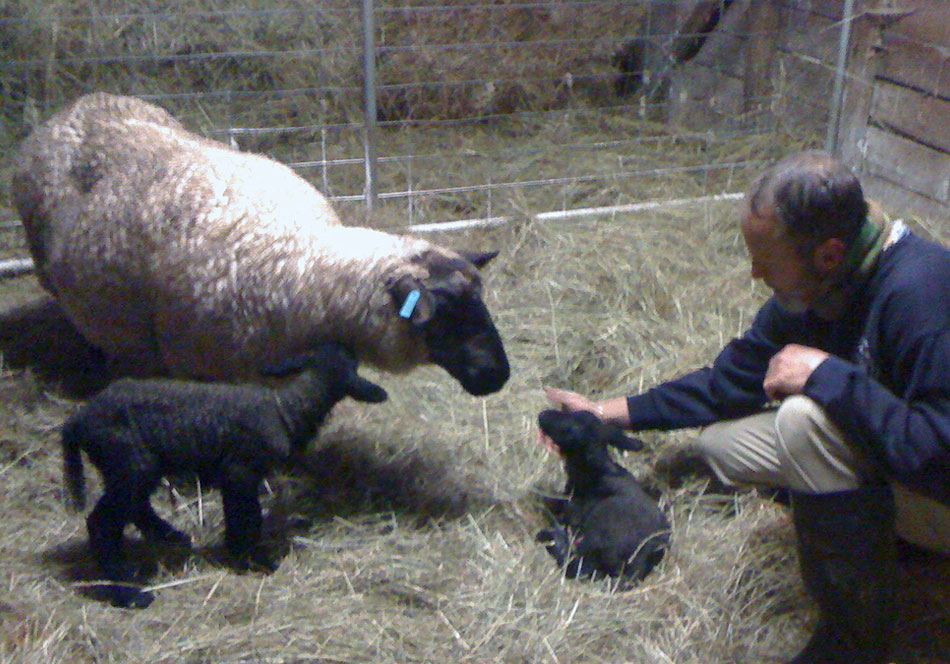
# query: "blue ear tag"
(409, 305)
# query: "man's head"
(802, 214)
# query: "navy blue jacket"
(887, 384)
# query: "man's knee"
(797, 421)
(812, 451)
(741, 451)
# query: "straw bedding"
(408, 536)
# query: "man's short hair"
(813, 195)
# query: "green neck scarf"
(857, 265)
(862, 255)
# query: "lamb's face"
(581, 433)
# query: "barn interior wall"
(776, 61)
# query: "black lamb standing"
(608, 525)
(229, 435)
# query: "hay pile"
(297, 65)
(469, 60)
(411, 537)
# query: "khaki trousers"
(797, 447)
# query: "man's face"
(775, 260)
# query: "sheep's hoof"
(128, 597)
(256, 561)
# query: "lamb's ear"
(622, 441)
(363, 390)
(413, 301)
(478, 259)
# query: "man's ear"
(413, 301)
(829, 256)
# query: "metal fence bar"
(834, 119)
(369, 104)
(572, 214)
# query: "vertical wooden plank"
(863, 63)
(760, 55)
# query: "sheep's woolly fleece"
(219, 261)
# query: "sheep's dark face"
(459, 333)
(582, 435)
(462, 339)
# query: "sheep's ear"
(413, 301)
(622, 441)
(478, 259)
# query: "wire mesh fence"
(481, 109)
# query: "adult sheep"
(174, 253)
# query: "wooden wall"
(895, 122)
(774, 61)
(767, 61)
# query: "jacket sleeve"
(730, 388)
(908, 433)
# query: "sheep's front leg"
(105, 525)
(242, 519)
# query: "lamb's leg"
(148, 522)
(585, 558)
(242, 519)
(557, 542)
(581, 566)
(155, 527)
(106, 524)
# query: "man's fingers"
(545, 441)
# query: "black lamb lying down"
(230, 436)
(607, 524)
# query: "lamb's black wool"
(229, 435)
(608, 524)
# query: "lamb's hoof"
(556, 542)
(257, 561)
(127, 597)
(260, 562)
(174, 538)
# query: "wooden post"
(763, 22)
